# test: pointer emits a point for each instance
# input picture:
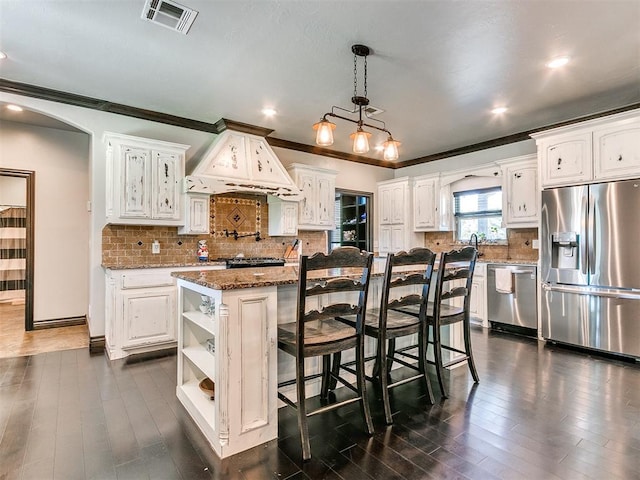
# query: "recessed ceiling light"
(499, 110)
(3, 55)
(558, 62)
(14, 108)
(269, 112)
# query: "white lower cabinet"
(478, 299)
(148, 317)
(391, 239)
(140, 311)
(229, 337)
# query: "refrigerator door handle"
(584, 213)
(592, 235)
(621, 294)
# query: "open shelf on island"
(203, 320)
(202, 359)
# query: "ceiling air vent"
(169, 14)
(370, 110)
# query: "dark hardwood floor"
(539, 412)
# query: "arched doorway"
(56, 263)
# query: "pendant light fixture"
(324, 128)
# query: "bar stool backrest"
(350, 270)
(453, 266)
(394, 278)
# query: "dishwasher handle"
(517, 271)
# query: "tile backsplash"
(130, 245)
(519, 245)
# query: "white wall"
(13, 190)
(60, 160)
(95, 123)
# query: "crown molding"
(223, 124)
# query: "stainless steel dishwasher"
(512, 300)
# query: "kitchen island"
(227, 332)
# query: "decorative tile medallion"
(239, 214)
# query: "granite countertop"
(510, 262)
(237, 278)
(289, 262)
(165, 265)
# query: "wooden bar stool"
(451, 306)
(386, 323)
(318, 333)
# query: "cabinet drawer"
(147, 279)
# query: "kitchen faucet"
(473, 240)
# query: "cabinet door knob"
(559, 162)
(619, 158)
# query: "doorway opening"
(17, 245)
(353, 220)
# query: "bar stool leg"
(326, 376)
(467, 348)
(437, 353)
(381, 361)
(423, 340)
(335, 371)
(302, 410)
(391, 354)
(362, 389)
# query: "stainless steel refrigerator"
(590, 266)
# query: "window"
(479, 212)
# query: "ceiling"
(437, 68)
(33, 118)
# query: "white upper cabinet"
(144, 178)
(167, 170)
(566, 159)
(394, 200)
(617, 151)
(283, 217)
(426, 203)
(317, 207)
(520, 193)
(606, 148)
(395, 229)
(196, 215)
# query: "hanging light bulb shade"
(360, 141)
(390, 149)
(324, 132)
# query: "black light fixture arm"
(359, 122)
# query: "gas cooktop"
(245, 262)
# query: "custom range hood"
(241, 162)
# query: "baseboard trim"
(141, 357)
(59, 322)
(97, 344)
